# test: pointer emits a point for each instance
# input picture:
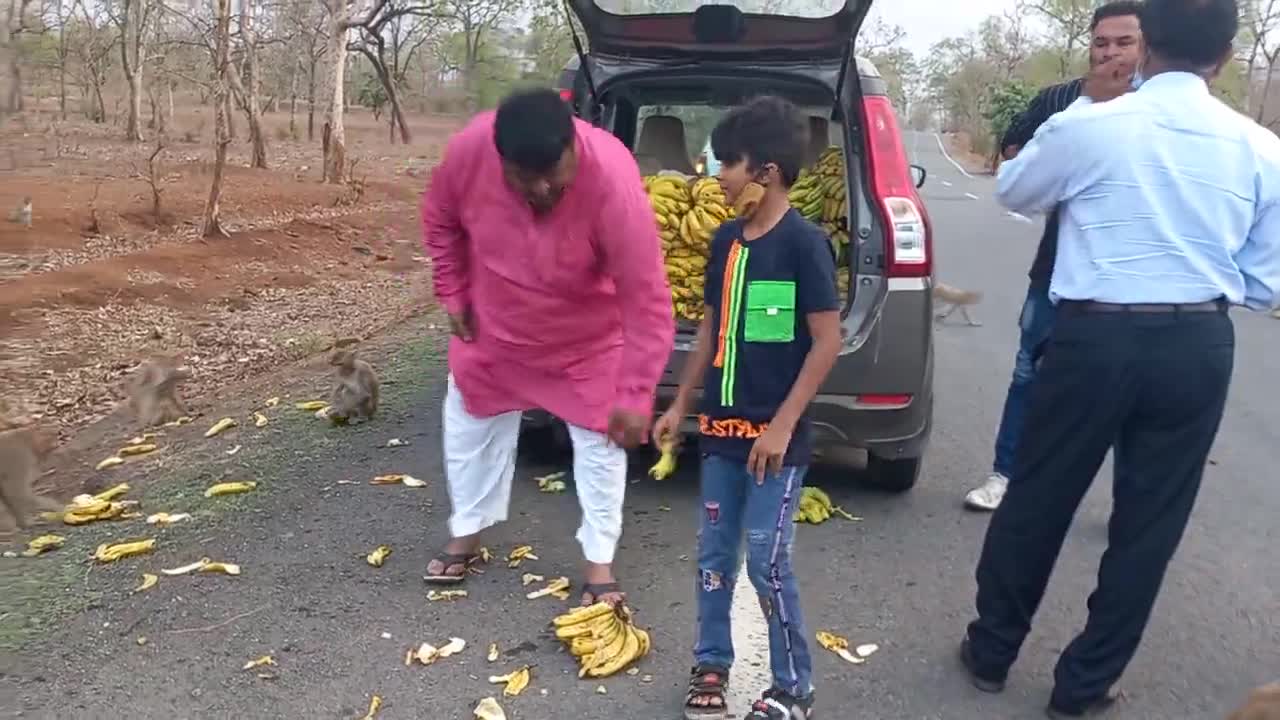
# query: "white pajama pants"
(480, 463)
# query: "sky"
(928, 21)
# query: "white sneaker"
(988, 495)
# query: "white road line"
(1018, 216)
(971, 196)
(751, 637)
(947, 155)
(946, 184)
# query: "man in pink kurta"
(547, 259)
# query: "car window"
(794, 8)
(699, 120)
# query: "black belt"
(1093, 306)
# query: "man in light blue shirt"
(1170, 213)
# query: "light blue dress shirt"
(1168, 196)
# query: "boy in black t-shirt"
(769, 337)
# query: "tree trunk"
(168, 88)
(311, 102)
(62, 62)
(212, 226)
(293, 103)
(252, 108)
(335, 149)
(133, 128)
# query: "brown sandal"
(596, 590)
(707, 683)
(452, 560)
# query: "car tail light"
(884, 402)
(566, 95)
(909, 239)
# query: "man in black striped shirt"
(1115, 34)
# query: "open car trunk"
(666, 114)
(763, 30)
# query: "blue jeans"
(733, 504)
(1036, 323)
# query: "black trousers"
(1155, 384)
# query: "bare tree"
(342, 15)
(248, 92)
(212, 226)
(475, 21)
(91, 43)
(1070, 20)
(405, 39)
(1259, 25)
(15, 21)
(134, 20)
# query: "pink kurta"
(571, 311)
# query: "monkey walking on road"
(957, 299)
(1263, 704)
(153, 392)
(356, 394)
(22, 215)
(21, 452)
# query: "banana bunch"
(669, 196)
(603, 638)
(687, 214)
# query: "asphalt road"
(902, 577)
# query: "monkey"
(22, 215)
(957, 299)
(21, 452)
(1263, 704)
(356, 394)
(153, 392)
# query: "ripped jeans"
(734, 505)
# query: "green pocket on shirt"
(771, 312)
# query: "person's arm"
(628, 237)
(1060, 159)
(1259, 260)
(443, 235)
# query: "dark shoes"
(970, 665)
(1093, 709)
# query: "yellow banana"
(615, 662)
(582, 614)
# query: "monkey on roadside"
(22, 215)
(356, 394)
(153, 392)
(21, 452)
(956, 299)
(1263, 704)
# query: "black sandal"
(452, 560)
(778, 704)
(596, 590)
(707, 684)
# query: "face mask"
(1137, 80)
(744, 206)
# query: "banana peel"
(375, 704)
(205, 565)
(140, 449)
(398, 479)
(184, 420)
(838, 645)
(229, 488)
(43, 544)
(271, 402)
(439, 595)
(493, 653)
(426, 653)
(666, 465)
(164, 518)
(259, 420)
(110, 552)
(516, 681)
(312, 405)
(378, 556)
(220, 427)
(112, 493)
(553, 483)
(489, 709)
(519, 554)
(148, 581)
(559, 585)
(110, 462)
(529, 578)
(264, 660)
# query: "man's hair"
(1198, 33)
(533, 128)
(766, 130)
(1119, 8)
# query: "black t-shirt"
(759, 294)
(1052, 100)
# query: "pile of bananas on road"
(688, 211)
(603, 638)
(820, 195)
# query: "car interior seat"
(661, 146)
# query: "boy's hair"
(532, 129)
(1198, 33)
(768, 129)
